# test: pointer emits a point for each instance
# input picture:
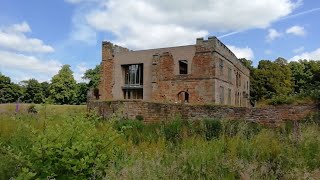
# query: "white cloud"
(159, 36)
(296, 30)
(13, 38)
(298, 50)
(272, 35)
(268, 52)
(74, 1)
(29, 63)
(79, 72)
(80, 1)
(20, 28)
(81, 31)
(157, 23)
(242, 52)
(314, 55)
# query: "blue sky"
(38, 36)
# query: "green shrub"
(32, 109)
(213, 128)
(173, 130)
(139, 117)
(74, 148)
(132, 129)
(279, 100)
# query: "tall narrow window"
(221, 66)
(229, 74)
(133, 75)
(221, 95)
(237, 79)
(229, 96)
(133, 81)
(183, 67)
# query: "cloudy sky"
(38, 36)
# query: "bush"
(73, 148)
(132, 129)
(173, 130)
(32, 109)
(213, 128)
(139, 117)
(279, 100)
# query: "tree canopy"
(93, 75)
(63, 86)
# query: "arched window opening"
(183, 97)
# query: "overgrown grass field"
(65, 142)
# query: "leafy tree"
(272, 79)
(33, 91)
(93, 75)
(9, 92)
(306, 75)
(63, 86)
(81, 93)
(45, 86)
(247, 63)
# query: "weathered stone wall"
(157, 112)
(107, 80)
(162, 81)
(167, 84)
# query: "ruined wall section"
(161, 112)
(198, 83)
(240, 73)
(107, 80)
(232, 88)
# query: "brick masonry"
(214, 74)
(158, 112)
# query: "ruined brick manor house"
(206, 72)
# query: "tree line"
(63, 88)
(283, 82)
(274, 82)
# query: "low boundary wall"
(158, 112)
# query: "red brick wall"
(157, 112)
(107, 69)
(199, 83)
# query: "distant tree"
(9, 91)
(301, 75)
(93, 75)
(63, 86)
(272, 79)
(45, 86)
(247, 63)
(81, 93)
(281, 61)
(33, 92)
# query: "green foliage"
(32, 109)
(279, 100)
(173, 129)
(73, 148)
(132, 129)
(63, 86)
(213, 128)
(9, 92)
(139, 117)
(93, 75)
(33, 92)
(69, 146)
(81, 93)
(271, 79)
